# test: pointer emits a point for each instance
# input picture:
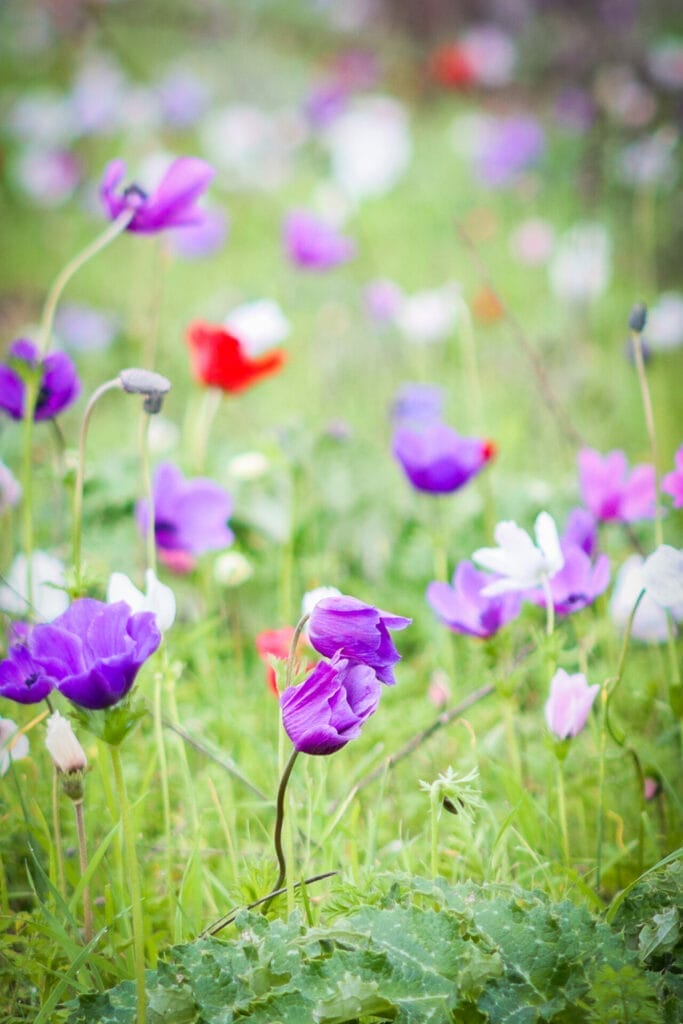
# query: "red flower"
(220, 360)
(452, 67)
(274, 643)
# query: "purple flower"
(85, 329)
(673, 482)
(171, 205)
(580, 531)
(94, 650)
(578, 582)
(382, 300)
(436, 459)
(514, 144)
(204, 239)
(184, 98)
(463, 608)
(330, 706)
(418, 403)
(314, 245)
(610, 492)
(569, 704)
(356, 631)
(59, 384)
(190, 516)
(22, 678)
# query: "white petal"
(121, 588)
(160, 599)
(663, 576)
(549, 543)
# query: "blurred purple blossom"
(184, 97)
(569, 704)
(204, 239)
(171, 205)
(84, 328)
(47, 176)
(574, 110)
(510, 146)
(463, 608)
(418, 403)
(611, 492)
(22, 678)
(673, 482)
(312, 244)
(580, 531)
(577, 584)
(59, 384)
(382, 299)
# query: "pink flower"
(611, 492)
(569, 704)
(673, 482)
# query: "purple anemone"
(314, 245)
(356, 631)
(611, 492)
(330, 706)
(171, 205)
(59, 384)
(22, 678)
(190, 516)
(463, 608)
(438, 460)
(578, 582)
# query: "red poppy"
(274, 643)
(220, 360)
(452, 67)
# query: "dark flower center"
(135, 197)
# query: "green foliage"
(424, 952)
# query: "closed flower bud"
(63, 747)
(638, 317)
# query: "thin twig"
(228, 918)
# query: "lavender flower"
(418, 403)
(85, 329)
(314, 245)
(22, 678)
(59, 384)
(673, 482)
(356, 631)
(463, 608)
(92, 653)
(610, 492)
(580, 531)
(513, 145)
(437, 459)
(569, 704)
(578, 583)
(190, 516)
(171, 205)
(330, 706)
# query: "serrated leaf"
(661, 934)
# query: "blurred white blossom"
(157, 598)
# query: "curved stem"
(280, 818)
(57, 826)
(113, 229)
(150, 534)
(133, 878)
(83, 864)
(30, 398)
(109, 385)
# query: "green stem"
(150, 536)
(133, 878)
(57, 827)
(562, 810)
(109, 385)
(434, 806)
(83, 862)
(165, 795)
(30, 398)
(210, 405)
(650, 425)
(115, 228)
(280, 817)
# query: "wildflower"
(232, 569)
(11, 750)
(219, 359)
(330, 706)
(665, 323)
(358, 632)
(652, 787)
(59, 386)
(580, 531)
(463, 607)
(369, 146)
(663, 576)
(610, 492)
(260, 325)
(157, 598)
(577, 584)
(85, 329)
(673, 482)
(532, 242)
(203, 239)
(190, 516)
(92, 653)
(569, 704)
(63, 746)
(521, 564)
(314, 245)
(48, 597)
(10, 489)
(275, 644)
(429, 316)
(22, 678)
(437, 459)
(451, 66)
(382, 300)
(248, 466)
(184, 97)
(650, 621)
(510, 147)
(171, 205)
(580, 268)
(49, 177)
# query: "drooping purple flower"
(673, 482)
(330, 706)
(611, 492)
(59, 384)
(569, 704)
(578, 582)
(190, 516)
(171, 205)
(513, 145)
(22, 678)
(463, 608)
(356, 631)
(438, 460)
(312, 244)
(93, 652)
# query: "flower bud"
(64, 749)
(638, 317)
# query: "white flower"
(248, 466)
(10, 751)
(430, 316)
(663, 577)
(520, 562)
(311, 598)
(664, 328)
(580, 269)
(649, 623)
(492, 54)
(259, 325)
(158, 598)
(232, 569)
(370, 146)
(48, 599)
(10, 489)
(62, 745)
